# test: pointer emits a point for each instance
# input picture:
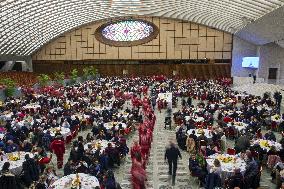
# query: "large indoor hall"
(141, 94)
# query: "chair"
(195, 177)
(230, 132)
(272, 161)
(231, 151)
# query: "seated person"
(196, 169)
(236, 180)
(270, 136)
(212, 150)
(252, 170)
(202, 139)
(7, 179)
(11, 147)
(192, 135)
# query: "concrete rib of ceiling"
(26, 25)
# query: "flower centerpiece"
(14, 157)
(76, 182)
(226, 159)
(264, 143)
(200, 131)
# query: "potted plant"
(93, 71)
(59, 78)
(86, 73)
(10, 86)
(74, 76)
(43, 79)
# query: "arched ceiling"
(26, 25)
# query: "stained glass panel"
(127, 30)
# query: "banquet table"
(197, 133)
(31, 106)
(15, 166)
(276, 118)
(87, 182)
(269, 109)
(6, 116)
(238, 125)
(64, 131)
(110, 124)
(102, 143)
(266, 144)
(195, 119)
(228, 164)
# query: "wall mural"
(141, 38)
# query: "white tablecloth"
(87, 182)
(197, 119)
(110, 124)
(238, 125)
(266, 144)
(227, 168)
(15, 166)
(206, 131)
(64, 131)
(31, 106)
(276, 118)
(103, 144)
(2, 135)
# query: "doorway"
(272, 75)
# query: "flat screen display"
(250, 62)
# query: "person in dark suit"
(7, 179)
(30, 170)
(172, 153)
(254, 79)
(236, 180)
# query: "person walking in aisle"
(171, 155)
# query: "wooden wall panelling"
(177, 40)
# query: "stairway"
(161, 178)
(157, 169)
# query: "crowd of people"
(222, 114)
(44, 124)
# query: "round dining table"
(87, 182)
(267, 144)
(228, 164)
(109, 125)
(96, 143)
(207, 132)
(15, 164)
(64, 131)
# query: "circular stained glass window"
(126, 32)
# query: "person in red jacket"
(145, 143)
(58, 147)
(135, 149)
(138, 173)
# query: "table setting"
(32, 106)
(64, 131)
(15, 159)
(109, 125)
(98, 143)
(198, 132)
(267, 144)
(276, 118)
(228, 163)
(238, 125)
(74, 181)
